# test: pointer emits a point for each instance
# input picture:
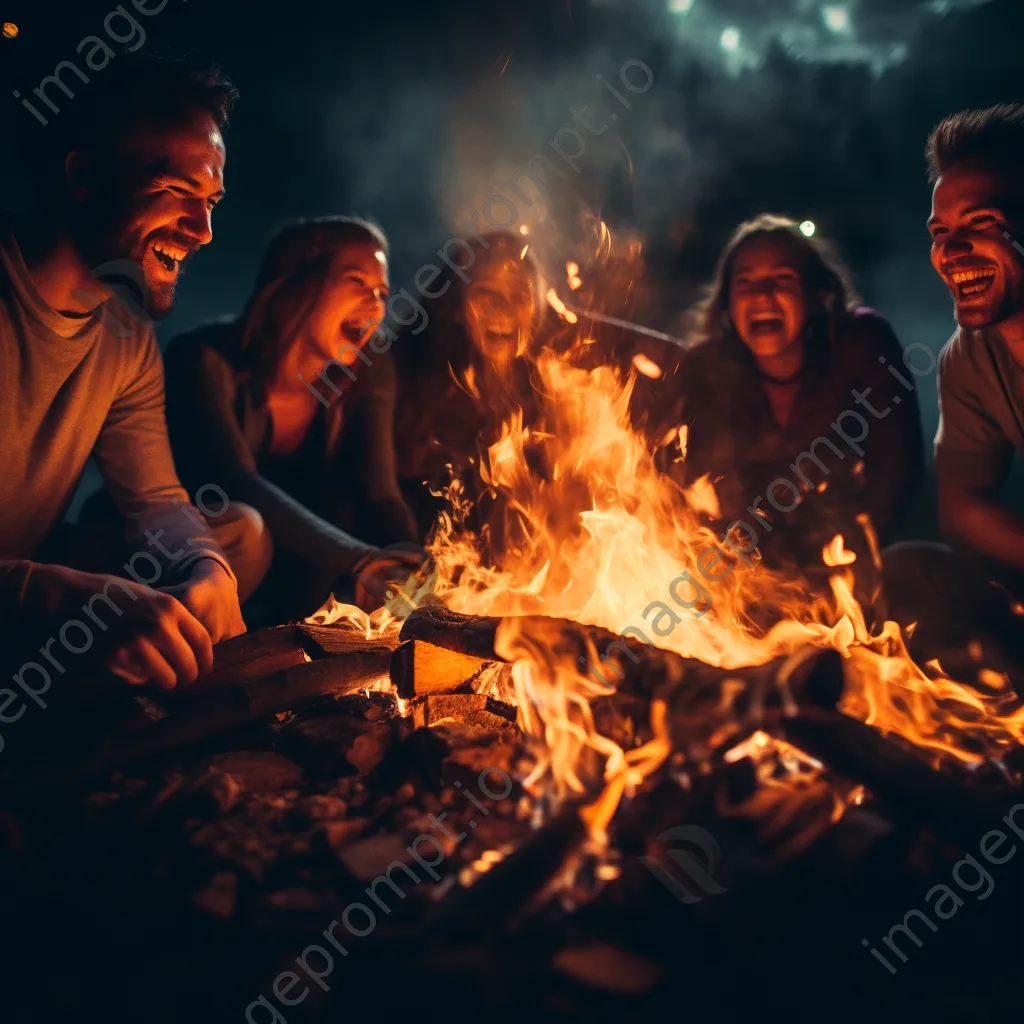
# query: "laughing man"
(976, 162)
(126, 184)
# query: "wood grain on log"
(253, 656)
(419, 668)
(340, 639)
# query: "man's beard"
(978, 317)
(121, 258)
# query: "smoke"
(755, 105)
(739, 35)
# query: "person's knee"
(245, 539)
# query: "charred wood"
(897, 777)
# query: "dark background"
(400, 111)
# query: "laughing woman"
(285, 406)
(784, 352)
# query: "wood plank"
(419, 668)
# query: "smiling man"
(966, 599)
(977, 164)
(127, 183)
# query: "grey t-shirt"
(981, 406)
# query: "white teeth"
(170, 252)
(972, 275)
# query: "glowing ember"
(559, 307)
(648, 367)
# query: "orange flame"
(604, 539)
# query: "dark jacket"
(343, 473)
(733, 436)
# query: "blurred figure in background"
(283, 408)
(784, 351)
(468, 371)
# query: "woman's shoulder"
(864, 326)
(210, 340)
(865, 338)
(198, 363)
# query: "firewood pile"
(321, 784)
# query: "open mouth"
(353, 331)
(972, 282)
(169, 256)
(766, 325)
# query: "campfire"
(578, 681)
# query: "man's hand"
(148, 635)
(210, 595)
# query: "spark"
(10, 30)
(560, 307)
(505, 65)
(647, 366)
(808, 228)
(730, 39)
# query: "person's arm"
(972, 461)
(216, 449)
(370, 444)
(894, 447)
(134, 456)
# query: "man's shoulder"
(954, 350)
(966, 358)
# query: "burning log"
(895, 776)
(631, 666)
(217, 711)
(471, 708)
(472, 635)
(253, 656)
(211, 712)
(419, 668)
(339, 638)
(511, 889)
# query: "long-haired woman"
(469, 369)
(289, 407)
(795, 398)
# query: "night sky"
(406, 112)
